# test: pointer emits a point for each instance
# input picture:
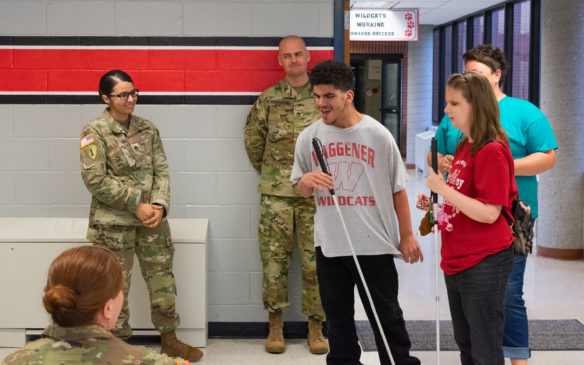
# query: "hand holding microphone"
(319, 180)
(317, 146)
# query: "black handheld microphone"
(434, 165)
(317, 146)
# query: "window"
(478, 30)
(498, 29)
(447, 53)
(508, 26)
(436, 79)
(461, 46)
(520, 66)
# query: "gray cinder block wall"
(211, 176)
(561, 190)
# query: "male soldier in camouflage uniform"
(275, 121)
(124, 167)
(91, 344)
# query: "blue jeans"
(516, 334)
(475, 297)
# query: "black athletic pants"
(337, 277)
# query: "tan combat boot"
(316, 342)
(173, 347)
(275, 341)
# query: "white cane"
(437, 294)
(433, 221)
(316, 144)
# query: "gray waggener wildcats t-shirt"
(367, 170)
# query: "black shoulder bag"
(521, 224)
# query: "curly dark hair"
(332, 72)
(490, 56)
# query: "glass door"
(378, 90)
(391, 98)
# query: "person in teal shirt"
(533, 146)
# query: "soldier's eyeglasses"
(125, 95)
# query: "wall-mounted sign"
(384, 25)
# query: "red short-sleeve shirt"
(487, 176)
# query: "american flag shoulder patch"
(87, 140)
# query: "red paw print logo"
(409, 16)
(408, 32)
(411, 24)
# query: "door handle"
(389, 110)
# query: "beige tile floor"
(554, 289)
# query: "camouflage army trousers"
(155, 252)
(279, 218)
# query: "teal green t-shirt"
(529, 131)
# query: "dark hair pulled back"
(111, 79)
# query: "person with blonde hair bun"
(84, 297)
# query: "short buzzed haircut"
(290, 37)
(334, 73)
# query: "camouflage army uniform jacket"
(123, 169)
(83, 345)
(273, 125)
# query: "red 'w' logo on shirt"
(346, 175)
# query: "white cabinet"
(29, 245)
(422, 148)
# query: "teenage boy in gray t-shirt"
(369, 179)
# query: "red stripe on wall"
(172, 70)
(65, 80)
(263, 60)
(5, 58)
(23, 80)
(35, 59)
(113, 59)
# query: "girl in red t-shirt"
(476, 252)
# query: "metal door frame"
(387, 58)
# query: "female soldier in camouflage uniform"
(124, 167)
(84, 297)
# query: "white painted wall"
(420, 60)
